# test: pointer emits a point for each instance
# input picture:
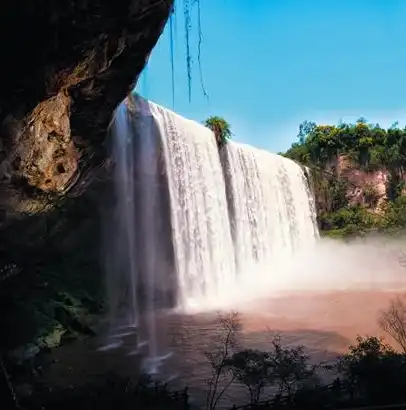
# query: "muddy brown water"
(326, 323)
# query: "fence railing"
(333, 396)
(137, 394)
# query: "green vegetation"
(220, 128)
(371, 146)
(51, 289)
(371, 373)
(333, 152)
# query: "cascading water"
(272, 214)
(193, 228)
(122, 272)
(138, 278)
(204, 253)
(309, 184)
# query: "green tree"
(219, 358)
(393, 321)
(220, 128)
(291, 367)
(332, 150)
(369, 368)
(305, 129)
(253, 369)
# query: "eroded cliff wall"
(66, 65)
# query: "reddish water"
(325, 320)
(325, 323)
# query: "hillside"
(358, 175)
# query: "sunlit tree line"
(368, 145)
(364, 146)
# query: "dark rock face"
(65, 67)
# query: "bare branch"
(393, 321)
(219, 358)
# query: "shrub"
(220, 128)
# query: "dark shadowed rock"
(65, 66)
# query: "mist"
(372, 263)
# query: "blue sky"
(268, 65)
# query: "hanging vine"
(199, 47)
(187, 12)
(188, 27)
(171, 29)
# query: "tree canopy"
(369, 145)
(220, 128)
(366, 147)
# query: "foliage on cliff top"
(369, 145)
(220, 128)
(329, 149)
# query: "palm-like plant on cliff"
(220, 128)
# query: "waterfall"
(139, 270)
(123, 272)
(196, 226)
(272, 213)
(307, 174)
(204, 252)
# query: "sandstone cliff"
(365, 187)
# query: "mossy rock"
(52, 338)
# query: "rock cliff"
(65, 67)
(365, 187)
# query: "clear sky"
(268, 65)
